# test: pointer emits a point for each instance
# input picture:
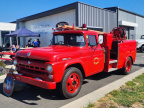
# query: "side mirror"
(100, 39)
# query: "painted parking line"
(101, 92)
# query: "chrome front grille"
(31, 67)
(31, 64)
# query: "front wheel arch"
(79, 66)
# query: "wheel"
(71, 82)
(127, 69)
(142, 48)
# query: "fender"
(129, 55)
(62, 67)
(75, 62)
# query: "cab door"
(95, 55)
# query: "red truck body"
(112, 53)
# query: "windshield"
(68, 39)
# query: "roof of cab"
(75, 31)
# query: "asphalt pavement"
(38, 97)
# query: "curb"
(101, 92)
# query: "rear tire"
(142, 48)
(71, 82)
(126, 70)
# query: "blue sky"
(10, 10)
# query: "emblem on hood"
(28, 54)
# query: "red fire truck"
(73, 55)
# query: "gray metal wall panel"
(96, 17)
(140, 28)
(126, 16)
(0, 39)
(134, 32)
(112, 20)
(106, 21)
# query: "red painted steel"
(128, 67)
(7, 53)
(73, 83)
(36, 82)
(113, 53)
(5, 59)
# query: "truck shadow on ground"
(31, 94)
(103, 75)
(138, 51)
(140, 65)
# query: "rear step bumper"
(35, 82)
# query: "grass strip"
(129, 95)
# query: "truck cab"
(72, 56)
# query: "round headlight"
(15, 62)
(50, 76)
(49, 68)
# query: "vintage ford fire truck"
(73, 55)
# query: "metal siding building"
(77, 13)
(132, 22)
(80, 13)
(95, 17)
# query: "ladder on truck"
(67, 27)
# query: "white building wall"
(140, 28)
(7, 26)
(44, 25)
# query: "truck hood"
(51, 53)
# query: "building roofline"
(55, 11)
(96, 7)
(49, 12)
(13, 22)
(66, 8)
(127, 11)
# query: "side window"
(59, 40)
(91, 39)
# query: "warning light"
(84, 26)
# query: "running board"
(112, 69)
(113, 61)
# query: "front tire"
(126, 70)
(71, 82)
(142, 48)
